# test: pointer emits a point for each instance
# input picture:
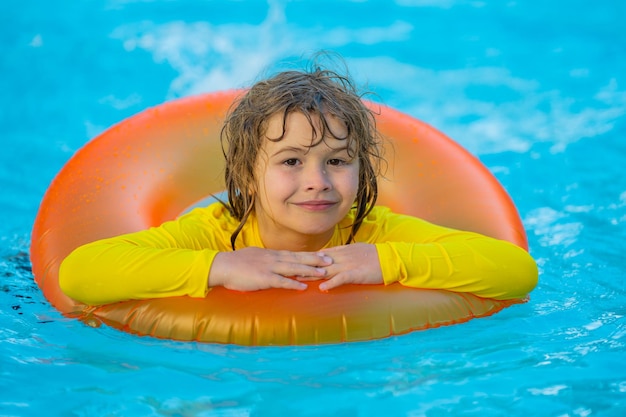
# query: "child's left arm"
(472, 263)
(423, 255)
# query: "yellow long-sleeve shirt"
(175, 258)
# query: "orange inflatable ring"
(151, 167)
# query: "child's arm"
(132, 267)
(182, 257)
(124, 268)
(170, 260)
(422, 255)
(467, 262)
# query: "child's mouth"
(316, 205)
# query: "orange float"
(151, 167)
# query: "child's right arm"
(126, 267)
(118, 269)
(182, 257)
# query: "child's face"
(303, 191)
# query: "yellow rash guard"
(175, 258)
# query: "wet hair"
(316, 93)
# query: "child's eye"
(337, 162)
(291, 161)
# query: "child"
(301, 162)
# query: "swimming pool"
(537, 91)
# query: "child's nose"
(317, 178)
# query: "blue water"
(536, 89)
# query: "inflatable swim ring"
(151, 167)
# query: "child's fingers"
(333, 282)
(298, 270)
(301, 264)
(287, 283)
(307, 258)
(309, 278)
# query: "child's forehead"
(297, 122)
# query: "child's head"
(318, 94)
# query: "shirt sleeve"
(173, 259)
(419, 254)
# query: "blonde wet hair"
(316, 93)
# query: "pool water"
(536, 89)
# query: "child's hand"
(253, 268)
(351, 264)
